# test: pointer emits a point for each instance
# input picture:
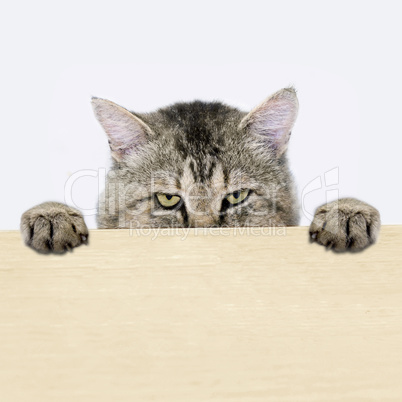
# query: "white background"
(343, 57)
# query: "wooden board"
(195, 316)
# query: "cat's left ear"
(126, 132)
(272, 121)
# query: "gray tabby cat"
(200, 165)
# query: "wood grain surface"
(195, 316)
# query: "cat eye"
(237, 197)
(167, 200)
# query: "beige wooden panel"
(259, 316)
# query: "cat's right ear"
(126, 132)
(270, 123)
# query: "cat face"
(199, 164)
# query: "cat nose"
(202, 221)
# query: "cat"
(200, 164)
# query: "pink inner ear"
(125, 131)
(273, 120)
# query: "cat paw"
(52, 227)
(345, 224)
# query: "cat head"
(199, 164)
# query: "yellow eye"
(237, 197)
(167, 200)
